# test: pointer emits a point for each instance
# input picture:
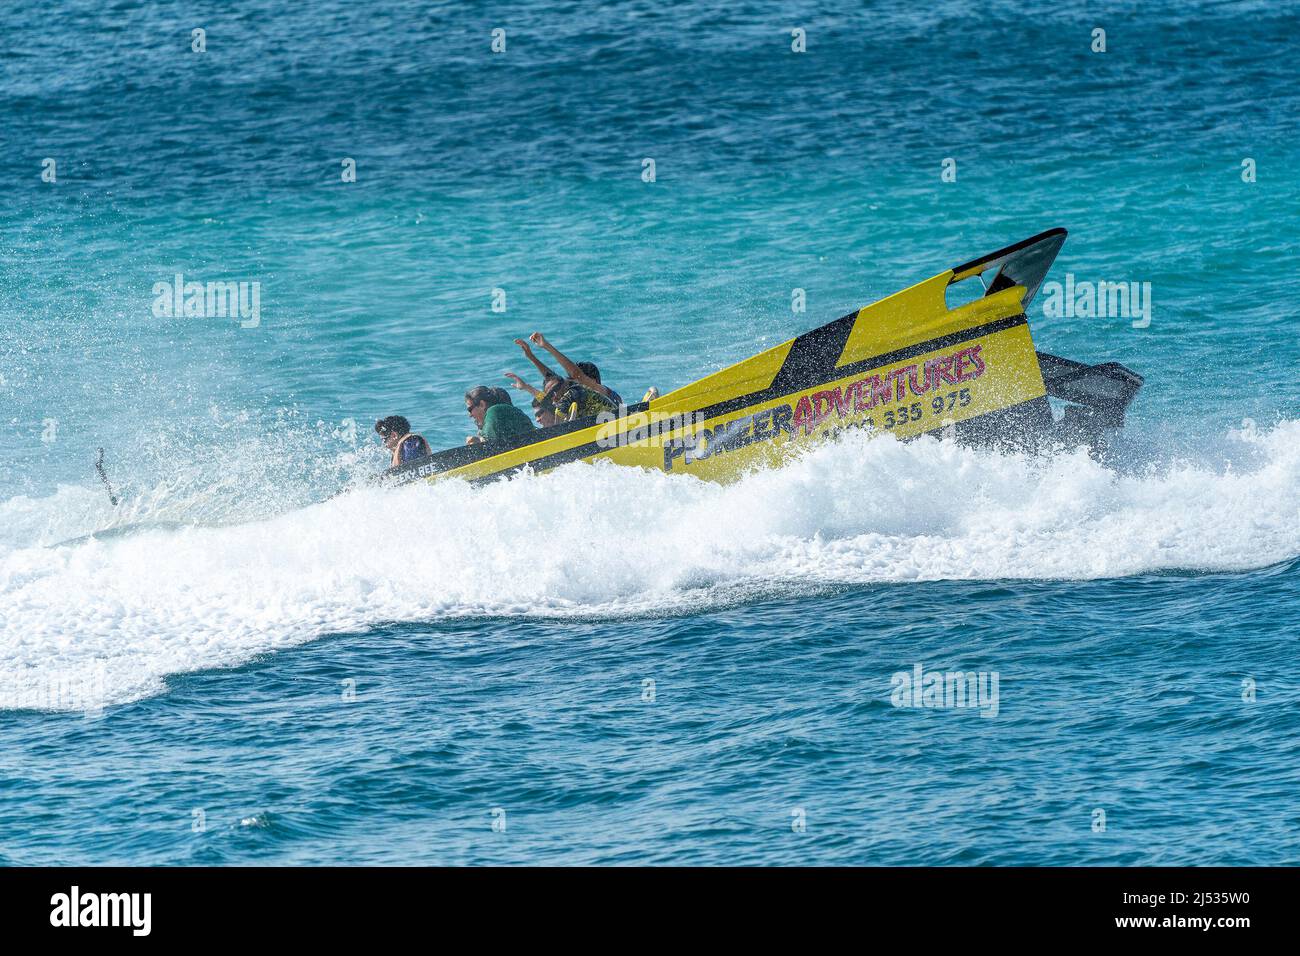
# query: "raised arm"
(541, 366)
(523, 386)
(570, 369)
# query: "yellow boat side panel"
(920, 314)
(743, 378)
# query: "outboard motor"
(1096, 397)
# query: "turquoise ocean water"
(603, 665)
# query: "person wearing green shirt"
(497, 419)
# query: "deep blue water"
(495, 643)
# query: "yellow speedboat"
(907, 364)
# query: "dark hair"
(486, 393)
(590, 370)
(393, 425)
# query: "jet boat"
(908, 364)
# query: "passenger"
(585, 374)
(496, 417)
(579, 401)
(572, 399)
(549, 380)
(544, 409)
(396, 433)
(544, 413)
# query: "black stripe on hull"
(829, 373)
(813, 355)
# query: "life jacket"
(589, 402)
(423, 449)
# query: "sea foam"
(106, 618)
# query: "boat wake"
(106, 618)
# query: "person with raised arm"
(586, 395)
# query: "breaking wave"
(106, 618)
